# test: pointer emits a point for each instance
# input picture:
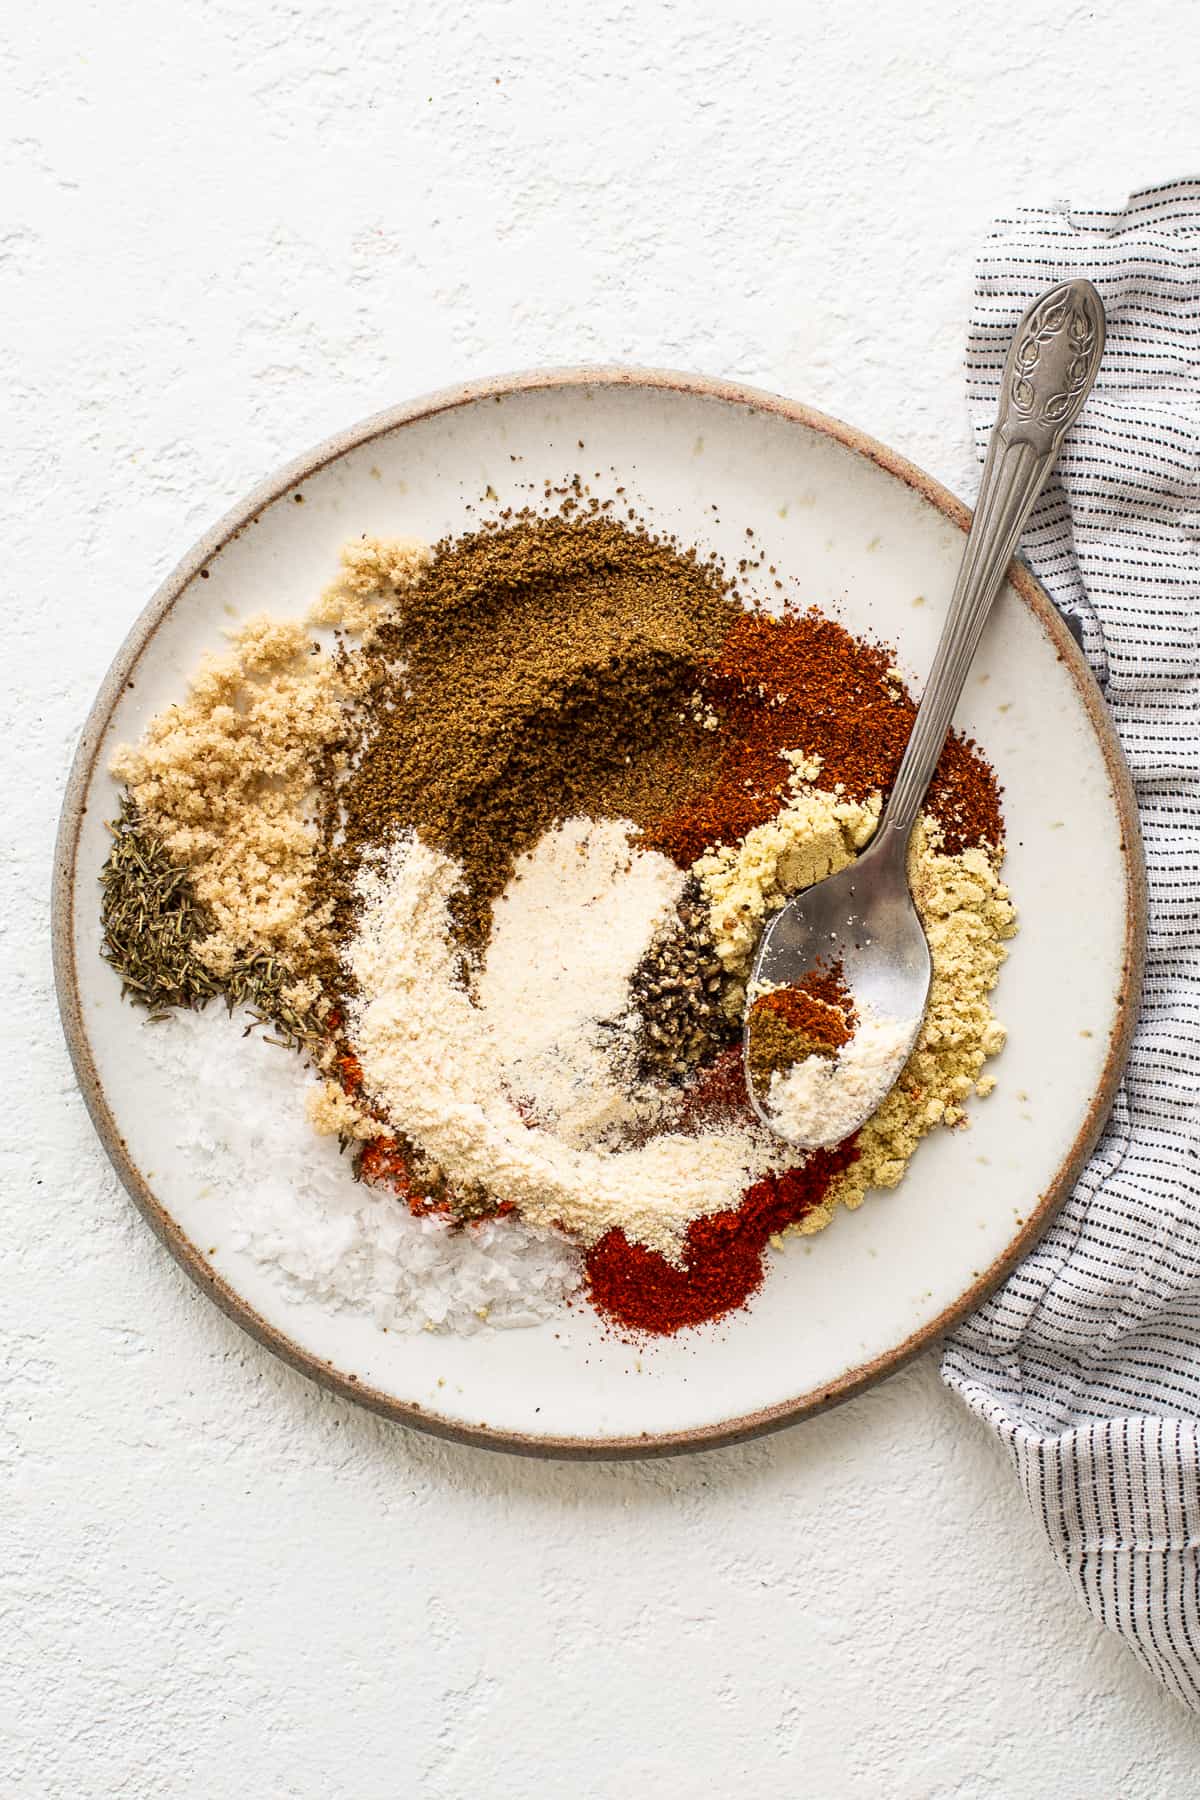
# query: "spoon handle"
(1049, 372)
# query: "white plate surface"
(862, 536)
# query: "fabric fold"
(1086, 1363)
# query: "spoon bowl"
(862, 918)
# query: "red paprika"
(723, 1254)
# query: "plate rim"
(63, 895)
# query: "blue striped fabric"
(1087, 1362)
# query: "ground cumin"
(544, 669)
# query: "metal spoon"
(865, 916)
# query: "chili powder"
(801, 681)
(722, 1265)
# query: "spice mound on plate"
(545, 671)
(489, 840)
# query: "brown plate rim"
(380, 424)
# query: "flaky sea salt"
(292, 1203)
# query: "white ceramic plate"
(862, 534)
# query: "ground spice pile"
(968, 919)
(545, 670)
(225, 781)
(722, 1265)
(801, 681)
(154, 931)
(813, 1017)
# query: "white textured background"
(225, 230)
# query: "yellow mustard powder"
(968, 917)
(814, 835)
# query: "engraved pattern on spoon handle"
(1050, 369)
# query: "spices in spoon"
(819, 1099)
(813, 1017)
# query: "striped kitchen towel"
(1086, 1363)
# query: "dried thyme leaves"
(152, 923)
(264, 986)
